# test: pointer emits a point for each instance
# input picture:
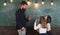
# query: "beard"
(23, 9)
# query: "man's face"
(24, 7)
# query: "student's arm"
(49, 27)
(36, 27)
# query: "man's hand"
(22, 28)
(30, 17)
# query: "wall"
(7, 14)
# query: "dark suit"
(21, 19)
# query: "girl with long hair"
(42, 26)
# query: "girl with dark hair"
(48, 19)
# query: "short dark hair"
(23, 3)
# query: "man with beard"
(21, 19)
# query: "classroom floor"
(5, 30)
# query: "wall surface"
(7, 13)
